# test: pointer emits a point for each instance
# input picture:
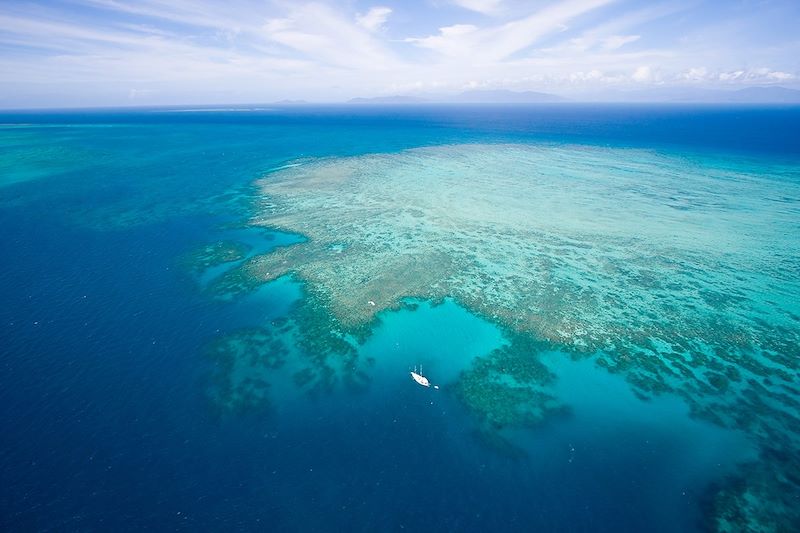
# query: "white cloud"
(186, 12)
(374, 19)
(618, 41)
(767, 74)
(642, 74)
(496, 43)
(613, 33)
(487, 7)
(450, 40)
(321, 34)
(694, 74)
(781, 76)
(762, 75)
(593, 77)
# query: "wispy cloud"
(321, 34)
(617, 41)
(487, 7)
(191, 14)
(168, 51)
(374, 19)
(740, 76)
(496, 43)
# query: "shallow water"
(606, 297)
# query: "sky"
(153, 52)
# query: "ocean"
(209, 318)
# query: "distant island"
(748, 95)
(506, 97)
(291, 102)
(466, 97)
(396, 99)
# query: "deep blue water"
(106, 425)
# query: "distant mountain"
(766, 95)
(290, 102)
(748, 95)
(467, 97)
(397, 99)
(505, 97)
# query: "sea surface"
(208, 317)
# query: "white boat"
(422, 380)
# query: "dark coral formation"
(763, 497)
(495, 441)
(237, 282)
(215, 254)
(319, 355)
(148, 206)
(243, 361)
(329, 355)
(508, 388)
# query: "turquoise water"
(209, 319)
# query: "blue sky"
(119, 52)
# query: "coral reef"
(329, 355)
(243, 361)
(237, 281)
(678, 273)
(764, 497)
(667, 281)
(308, 343)
(507, 388)
(215, 254)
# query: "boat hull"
(422, 380)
